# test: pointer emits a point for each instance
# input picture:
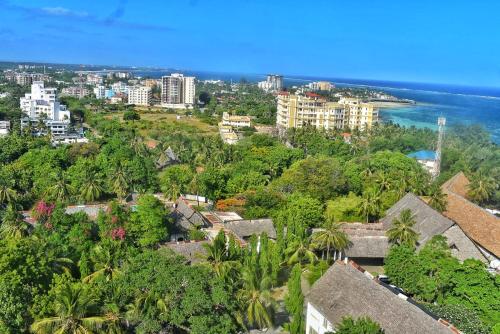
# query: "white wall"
(316, 323)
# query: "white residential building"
(94, 79)
(139, 95)
(273, 83)
(75, 91)
(100, 92)
(321, 85)
(120, 87)
(189, 90)
(4, 128)
(41, 105)
(122, 75)
(236, 121)
(43, 100)
(177, 91)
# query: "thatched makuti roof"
(246, 228)
(346, 291)
(186, 217)
(193, 251)
(429, 222)
(366, 240)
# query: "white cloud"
(61, 11)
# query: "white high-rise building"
(189, 90)
(100, 92)
(43, 100)
(273, 83)
(42, 105)
(139, 95)
(177, 91)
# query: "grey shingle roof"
(194, 252)
(429, 222)
(461, 246)
(246, 228)
(186, 217)
(168, 158)
(368, 247)
(366, 240)
(92, 211)
(345, 291)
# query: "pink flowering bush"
(118, 233)
(42, 213)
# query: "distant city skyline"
(449, 42)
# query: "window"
(312, 331)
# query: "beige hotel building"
(295, 111)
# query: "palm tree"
(482, 187)
(103, 265)
(437, 199)
(73, 307)
(370, 205)
(91, 189)
(13, 225)
(331, 238)
(61, 190)
(401, 232)
(368, 171)
(300, 252)
(119, 182)
(137, 144)
(173, 192)
(7, 194)
(147, 303)
(222, 262)
(255, 296)
(383, 181)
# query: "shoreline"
(392, 104)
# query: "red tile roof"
(477, 223)
(310, 94)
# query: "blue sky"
(440, 41)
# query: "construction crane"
(437, 161)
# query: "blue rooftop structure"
(423, 155)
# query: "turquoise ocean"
(459, 104)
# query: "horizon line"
(289, 76)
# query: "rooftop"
(423, 155)
(477, 223)
(246, 228)
(193, 251)
(92, 211)
(347, 290)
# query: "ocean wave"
(419, 90)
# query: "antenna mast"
(437, 162)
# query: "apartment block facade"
(236, 121)
(140, 95)
(295, 111)
(100, 92)
(273, 83)
(41, 105)
(177, 91)
(75, 91)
